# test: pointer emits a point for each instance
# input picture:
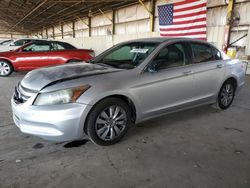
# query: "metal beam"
(33, 10)
(105, 16)
(82, 21)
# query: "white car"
(5, 42)
(16, 44)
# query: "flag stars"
(166, 14)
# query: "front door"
(167, 85)
(33, 56)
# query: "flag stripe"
(183, 25)
(189, 18)
(190, 11)
(186, 2)
(191, 21)
(181, 28)
(203, 12)
(189, 8)
(189, 31)
(186, 34)
(189, 4)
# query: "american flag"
(183, 19)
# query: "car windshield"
(6, 42)
(127, 56)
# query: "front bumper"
(55, 122)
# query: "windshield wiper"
(105, 65)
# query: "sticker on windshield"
(138, 50)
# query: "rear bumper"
(56, 122)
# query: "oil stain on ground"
(38, 146)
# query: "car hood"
(40, 78)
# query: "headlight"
(60, 96)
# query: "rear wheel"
(226, 94)
(5, 68)
(108, 122)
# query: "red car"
(41, 54)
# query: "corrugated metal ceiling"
(32, 15)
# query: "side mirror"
(152, 68)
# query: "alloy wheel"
(227, 94)
(111, 123)
(5, 68)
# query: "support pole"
(150, 11)
(73, 29)
(53, 32)
(89, 18)
(113, 22)
(47, 33)
(62, 29)
(152, 15)
(227, 30)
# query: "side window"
(202, 53)
(217, 54)
(37, 48)
(18, 43)
(170, 56)
(57, 46)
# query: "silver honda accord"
(131, 82)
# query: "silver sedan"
(131, 82)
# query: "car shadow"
(169, 120)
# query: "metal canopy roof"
(32, 15)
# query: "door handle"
(220, 66)
(187, 72)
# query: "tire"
(5, 68)
(105, 128)
(226, 94)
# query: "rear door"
(208, 70)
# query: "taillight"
(92, 54)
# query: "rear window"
(202, 53)
(66, 46)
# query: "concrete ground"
(198, 148)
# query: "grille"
(22, 94)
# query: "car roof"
(29, 39)
(165, 39)
(48, 42)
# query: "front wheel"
(5, 68)
(108, 122)
(226, 94)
